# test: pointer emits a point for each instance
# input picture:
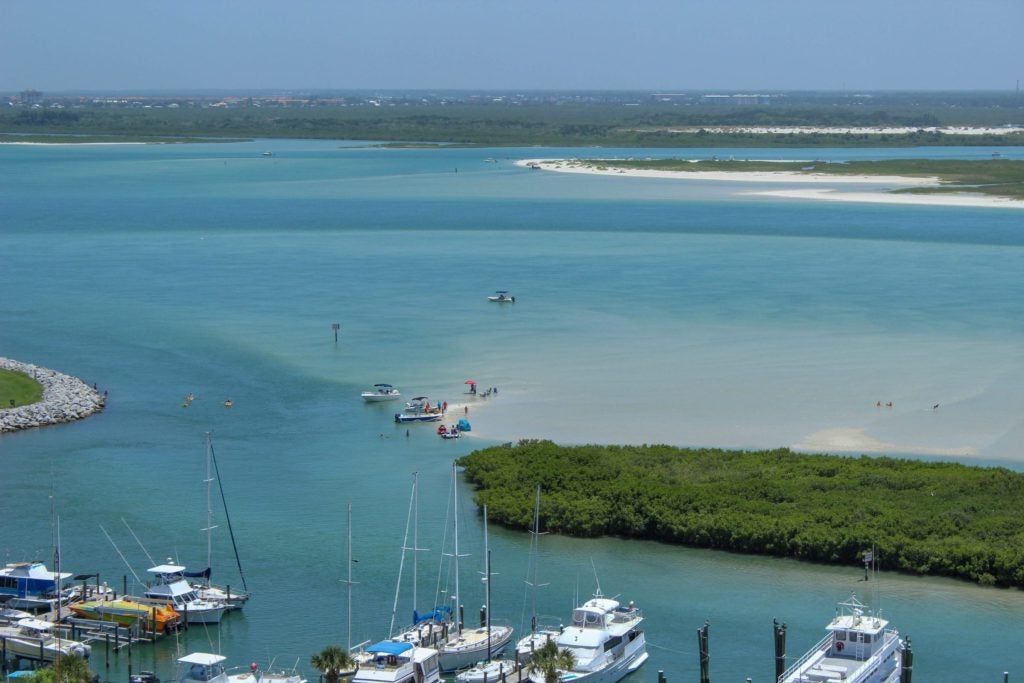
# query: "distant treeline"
(932, 518)
(608, 125)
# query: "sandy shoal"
(834, 193)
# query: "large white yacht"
(393, 662)
(171, 587)
(605, 639)
(859, 648)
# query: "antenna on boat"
(152, 562)
(120, 554)
(597, 580)
(209, 506)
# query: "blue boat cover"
(438, 614)
(389, 647)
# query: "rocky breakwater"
(65, 398)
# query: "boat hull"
(420, 417)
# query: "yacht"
(202, 667)
(29, 585)
(172, 588)
(857, 649)
(605, 639)
(394, 662)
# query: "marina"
(299, 443)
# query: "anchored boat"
(859, 648)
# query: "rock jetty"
(65, 398)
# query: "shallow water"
(647, 311)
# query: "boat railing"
(823, 644)
(622, 616)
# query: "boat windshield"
(583, 618)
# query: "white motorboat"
(393, 662)
(171, 587)
(419, 410)
(202, 667)
(502, 297)
(29, 585)
(605, 639)
(381, 392)
(859, 648)
(254, 674)
(35, 639)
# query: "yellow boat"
(128, 613)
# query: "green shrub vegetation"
(932, 518)
(18, 387)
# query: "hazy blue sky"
(665, 45)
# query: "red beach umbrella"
(469, 381)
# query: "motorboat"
(29, 585)
(128, 613)
(254, 674)
(202, 667)
(35, 639)
(397, 662)
(502, 297)
(171, 587)
(448, 432)
(859, 648)
(381, 392)
(605, 639)
(419, 410)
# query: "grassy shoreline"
(19, 388)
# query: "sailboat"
(401, 659)
(204, 589)
(539, 634)
(489, 669)
(463, 647)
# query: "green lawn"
(18, 387)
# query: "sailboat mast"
(455, 516)
(535, 543)
(209, 506)
(487, 587)
(348, 629)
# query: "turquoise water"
(647, 311)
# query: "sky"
(660, 45)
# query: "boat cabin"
(170, 585)
(202, 667)
(855, 634)
(398, 662)
(28, 580)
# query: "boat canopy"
(389, 647)
(35, 624)
(202, 659)
(166, 569)
(384, 386)
(205, 574)
(437, 614)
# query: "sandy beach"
(839, 192)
